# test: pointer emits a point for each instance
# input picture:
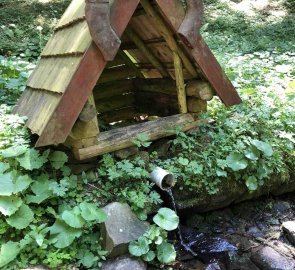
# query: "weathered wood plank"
(115, 103)
(122, 137)
(74, 12)
(54, 74)
(70, 40)
(117, 73)
(107, 90)
(85, 77)
(37, 106)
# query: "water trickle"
(183, 244)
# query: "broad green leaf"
(150, 256)
(263, 147)
(91, 212)
(166, 219)
(88, 259)
(183, 161)
(236, 161)
(32, 160)
(166, 253)
(40, 189)
(252, 153)
(13, 151)
(9, 252)
(251, 183)
(3, 167)
(63, 234)
(7, 185)
(139, 247)
(58, 159)
(22, 183)
(73, 218)
(21, 218)
(9, 204)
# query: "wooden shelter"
(111, 63)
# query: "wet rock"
(289, 229)
(267, 258)
(124, 263)
(120, 228)
(281, 207)
(255, 232)
(214, 266)
(242, 263)
(127, 152)
(195, 221)
(161, 147)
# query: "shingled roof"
(71, 63)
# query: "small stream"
(194, 244)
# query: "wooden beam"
(146, 51)
(130, 64)
(110, 89)
(114, 103)
(181, 95)
(117, 73)
(119, 115)
(129, 45)
(121, 138)
(167, 33)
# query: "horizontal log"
(194, 88)
(195, 105)
(156, 103)
(199, 89)
(89, 110)
(117, 73)
(115, 103)
(121, 138)
(110, 89)
(119, 115)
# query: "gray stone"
(289, 228)
(281, 207)
(161, 147)
(124, 263)
(267, 258)
(121, 227)
(127, 152)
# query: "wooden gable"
(153, 36)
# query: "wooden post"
(168, 36)
(121, 138)
(180, 83)
(84, 133)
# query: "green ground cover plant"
(248, 143)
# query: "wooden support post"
(121, 138)
(84, 133)
(195, 105)
(168, 36)
(146, 51)
(180, 83)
